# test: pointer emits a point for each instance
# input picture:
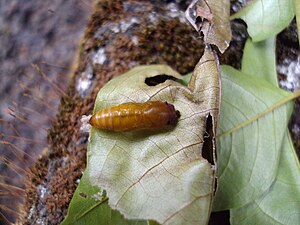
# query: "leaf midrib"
(260, 115)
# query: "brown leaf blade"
(211, 17)
(159, 175)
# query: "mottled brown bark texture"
(119, 36)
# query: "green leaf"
(159, 175)
(297, 11)
(266, 18)
(253, 119)
(259, 60)
(89, 206)
(281, 203)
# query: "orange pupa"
(136, 116)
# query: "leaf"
(89, 206)
(159, 175)
(259, 60)
(259, 130)
(297, 11)
(212, 18)
(266, 18)
(252, 127)
(281, 203)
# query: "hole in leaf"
(83, 195)
(217, 218)
(207, 149)
(199, 22)
(158, 79)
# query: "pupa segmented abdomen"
(136, 116)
